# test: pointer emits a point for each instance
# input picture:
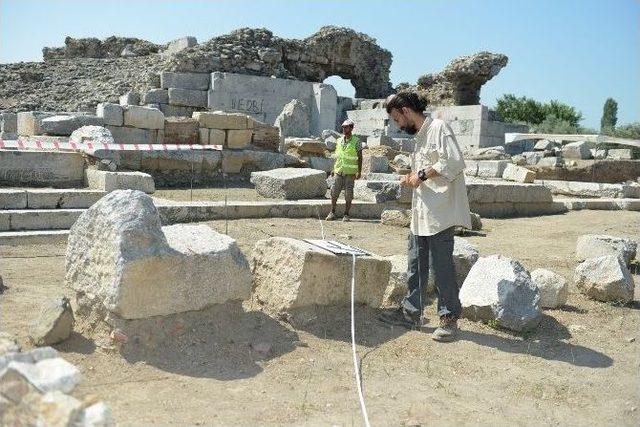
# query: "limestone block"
(576, 150)
(501, 289)
(131, 135)
(222, 120)
(289, 274)
(518, 174)
(187, 97)
(553, 288)
(596, 245)
(239, 138)
(110, 181)
(119, 258)
(193, 81)
(54, 323)
(156, 96)
(180, 130)
(290, 183)
(9, 122)
(375, 164)
(143, 117)
(381, 191)
(605, 278)
(129, 98)
(112, 114)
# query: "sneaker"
(447, 330)
(330, 217)
(346, 218)
(400, 317)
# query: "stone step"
(38, 219)
(48, 198)
(37, 237)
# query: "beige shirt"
(439, 202)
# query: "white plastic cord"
(356, 370)
(320, 220)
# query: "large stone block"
(553, 288)
(65, 125)
(131, 135)
(321, 163)
(112, 114)
(492, 168)
(119, 258)
(41, 168)
(110, 181)
(381, 191)
(156, 96)
(605, 278)
(187, 97)
(143, 117)
(8, 122)
(180, 130)
(498, 288)
(375, 164)
(239, 138)
(222, 120)
(576, 150)
(290, 183)
(620, 153)
(180, 44)
(177, 110)
(30, 122)
(264, 98)
(290, 274)
(518, 174)
(596, 245)
(294, 119)
(193, 81)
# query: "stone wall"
(85, 72)
(472, 124)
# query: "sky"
(579, 52)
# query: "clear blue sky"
(577, 51)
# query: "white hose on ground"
(356, 370)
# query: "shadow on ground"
(223, 342)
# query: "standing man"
(439, 204)
(346, 169)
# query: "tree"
(562, 112)
(519, 110)
(609, 116)
(551, 115)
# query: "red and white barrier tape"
(92, 147)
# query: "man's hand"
(331, 173)
(358, 175)
(410, 180)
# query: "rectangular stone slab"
(290, 273)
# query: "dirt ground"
(237, 366)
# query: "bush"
(553, 124)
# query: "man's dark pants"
(440, 247)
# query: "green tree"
(609, 116)
(562, 112)
(538, 115)
(519, 110)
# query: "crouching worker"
(347, 168)
(439, 204)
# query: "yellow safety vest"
(346, 156)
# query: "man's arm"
(359, 174)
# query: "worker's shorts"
(345, 182)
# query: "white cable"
(356, 370)
(320, 220)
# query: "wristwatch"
(422, 175)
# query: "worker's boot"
(401, 317)
(447, 330)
